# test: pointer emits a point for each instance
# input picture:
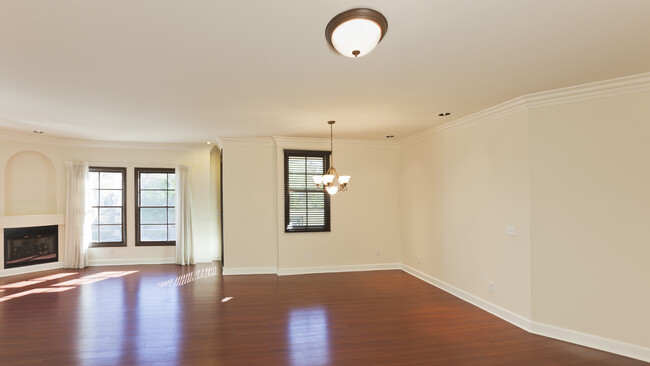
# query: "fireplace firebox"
(31, 245)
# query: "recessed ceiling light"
(38, 132)
(208, 142)
(444, 114)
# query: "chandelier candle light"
(331, 182)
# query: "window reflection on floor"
(158, 339)
(101, 317)
(309, 337)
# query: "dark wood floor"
(171, 315)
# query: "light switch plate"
(510, 230)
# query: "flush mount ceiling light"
(356, 32)
(330, 182)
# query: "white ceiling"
(188, 71)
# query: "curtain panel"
(184, 242)
(75, 248)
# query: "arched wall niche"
(30, 185)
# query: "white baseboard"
(592, 341)
(333, 269)
(129, 261)
(510, 317)
(546, 330)
(30, 269)
(249, 271)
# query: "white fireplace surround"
(28, 221)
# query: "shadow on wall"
(30, 185)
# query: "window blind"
(306, 207)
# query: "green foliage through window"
(107, 193)
(155, 214)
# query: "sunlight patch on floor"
(41, 290)
(95, 278)
(62, 286)
(38, 280)
(190, 277)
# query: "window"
(108, 206)
(306, 208)
(154, 211)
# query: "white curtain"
(184, 244)
(75, 254)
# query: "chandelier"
(356, 32)
(331, 182)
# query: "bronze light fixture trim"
(356, 32)
(331, 182)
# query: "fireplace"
(31, 245)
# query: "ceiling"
(189, 71)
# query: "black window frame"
(325, 155)
(137, 172)
(102, 169)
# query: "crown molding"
(499, 110)
(13, 135)
(218, 142)
(259, 141)
(302, 141)
(596, 90)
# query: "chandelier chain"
(331, 182)
(331, 145)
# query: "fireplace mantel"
(31, 220)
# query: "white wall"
(215, 194)
(250, 237)
(58, 151)
(458, 192)
(30, 185)
(570, 170)
(364, 219)
(590, 213)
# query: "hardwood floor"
(172, 315)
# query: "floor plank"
(170, 315)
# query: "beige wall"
(590, 214)
(206, 248)
(215, 194)
(458, 192)
(30, 185)
(364, 219)
(250, 236)
(571, 172)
